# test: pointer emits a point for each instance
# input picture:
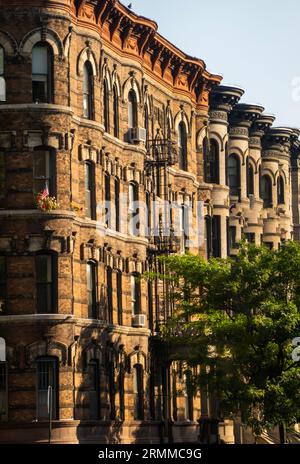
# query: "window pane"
(40, 60)
(41, 164)
(1, 61)
(44, 269)
(46, 376)
(2, 175)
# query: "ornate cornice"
(138, 38)
(244, 115)
(224, 98)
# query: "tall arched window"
(146, 123)
(212, 161)
(134, 224)
(88, 91)
(280, 191)
(2, 77)
(46, 283)
(91, 277)
(250, 178)
(266, 191)
(94, 389)
(47, 376)
(106, 105)
(234, 175)
(135, 294)
(116, 110)
(132, 109)
(138, 390)
(117, 205)
(182, 144)
(42, 72)
(109, 293)
(119, 297)
(44, 170)
(90, 195)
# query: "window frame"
(92, 289)
(106, 112)
(267, 191)
(132, 109)
(280, 190)
(49, 178)
(136, 307)
(182, 145)
(55, 405)
(53, 283)
(109, 295)
(88, 91)
(96, 383)
(235, 190)
(46, 77)
(90, 190)
(116, 111)
(119, 282)
(250, 178)
(138, 391)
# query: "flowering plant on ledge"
(44, 202)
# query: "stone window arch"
(39, 36)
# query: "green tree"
(239, 316)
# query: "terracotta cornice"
(138, 38)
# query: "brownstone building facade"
(101, 111)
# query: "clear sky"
(253, 44)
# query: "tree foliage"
(239, 317)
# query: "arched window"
(132, 110)
(138, 390)
(188, 396)
(90, 194)
(91, 277)
(109, 293)
(88, 91)
(234, 175)
(2, 77)
(107, 193)
(47, 376)
(280, 191)
(133, 209)
(182, 145)
(2, 283)
(116, 110)
(46, 283)
(135, 294)
(106, 105)
(250, 178)
(94, 389)
(2, 175)
(44, 170)
(211, 161)
(117, 205)
(119, 297)
(266, 191)
(146, 123)
(42, 72)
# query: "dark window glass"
(94, 389)
(216, 236)
(189, 407)
(2, 283)
(109, 284)
(280, 190)
(234, 175)
(250, 236)
(2, 175)
(232, 237)
(44, 171)
(3, 392)
(46, 278)
(211, 161)
(47, 376)
(90, 200)
(112, 390)
(138, 389)
(122, 392)
(117, 204)
(2, 77)
(107, 200)
(106, 106)
(91, 274)
(88, 91)
(146, 124)
(116, 111)
(266, 191)
(132, 109)
(182, 144)
(135, 294)
(208, 236)
(119, 298)
(250, 178)
(133, 210)
(42, 64)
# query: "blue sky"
(253, 44)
